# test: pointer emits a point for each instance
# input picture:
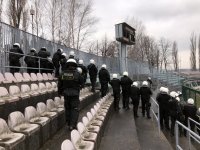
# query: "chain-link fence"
(10, 35)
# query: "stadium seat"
(39, 77)
(26, 76)
(9, 139)
(79, 143)
(33, 77)
(45, 76)
(45, 112)
(58, 102)
(18, 76)
(94, 121)
(51, 77)
(3, 80)
(42, 88)
(18, 123)
(25, 91)
(49, 87)
(96, 116)
(54, 85)
(4, 95)
(9, 77)
(34, 89)
(67, 145)
(33, 116)
(90, 128)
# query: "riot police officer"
(163, 101)
(69, 84)
(93, 74)
(84, 69)
(63, 61)
(56, 61)
(126, 89)
(145, 93)
(135, 96)
(32, 61)
(14, 59)
(44, 54)
(104, 78)
(149, 82)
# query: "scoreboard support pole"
(123, 57)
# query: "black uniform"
(84, 72)
(104, 78)
(93, 75)
(56, 61)
(198, 120)
(43, 53)
(115, 83)
(50, 66)
(14, 59)
(145, 93)
(190, 110)
(163, 101)
(32, 62)
(150, 82)
(126, 89)
(69, 84)
(175, 112)
(135, 96)
(63, 62)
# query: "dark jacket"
(70, 82)
(63, 62)
(163, 100)
(50, 66)
(31, 61)
(145, 93)
(15, 57)
(84, 71)
(126, 85)
(92, 70)
(190, 111)
(115, 83)
(135, 93)
(56, 58)
(174, 108)
(43, 54)
(104, 76)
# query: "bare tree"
(1, 8)
(175, 55)
(199, 51)
(15, 12)
(165, 52)
(193, 46)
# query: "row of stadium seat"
(90, 130)
(8, 77)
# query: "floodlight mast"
(125, 34)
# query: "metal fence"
(156, 112)
(10, 35)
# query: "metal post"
(177, 136)
(158, 119)
(188, 134)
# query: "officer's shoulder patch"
(68, 76)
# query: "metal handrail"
(191, 134)
(157, 117)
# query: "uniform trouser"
(93, 83)
(125, 100)
(104, 89)
(16, 64)
(135, 106)
(192, 125)
(173, 121)
(57, 69)
(146, 107)
(116, 100)
(72, 110)
(164, 116)
(32, 70)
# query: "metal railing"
(157, 117)
(191, 134)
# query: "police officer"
(63, 61)
(198, 120)
(93, 74)
(69, 84)
(44, 54)
(104, 78)
(14, 59)
(56, 61)
(163, 100)
(126, 89)
(145, 93)
(32, 61)
(190, 111)
(50, 65)
(84, 69)
(115, 83)
(72, 55)
(135, 96)
(149, 82)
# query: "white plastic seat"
(45, 76)
(96, 115)
(6, 97)
(54, 85)
(33, 116)
(51, 77)
(52, 106)
(79, 143)
(14, 91)
(9, 77)
(90, 128)
(27, 77)
(87, 136)
(39, 77)
(9, 138)
(93, 121)
(18, 76)
(34, 89)
(25, 91)
(58, 102)
(33, 77)
(49, 87)
(42, 88)
(3, 80)
(67, 145)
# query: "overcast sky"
(172, 19)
